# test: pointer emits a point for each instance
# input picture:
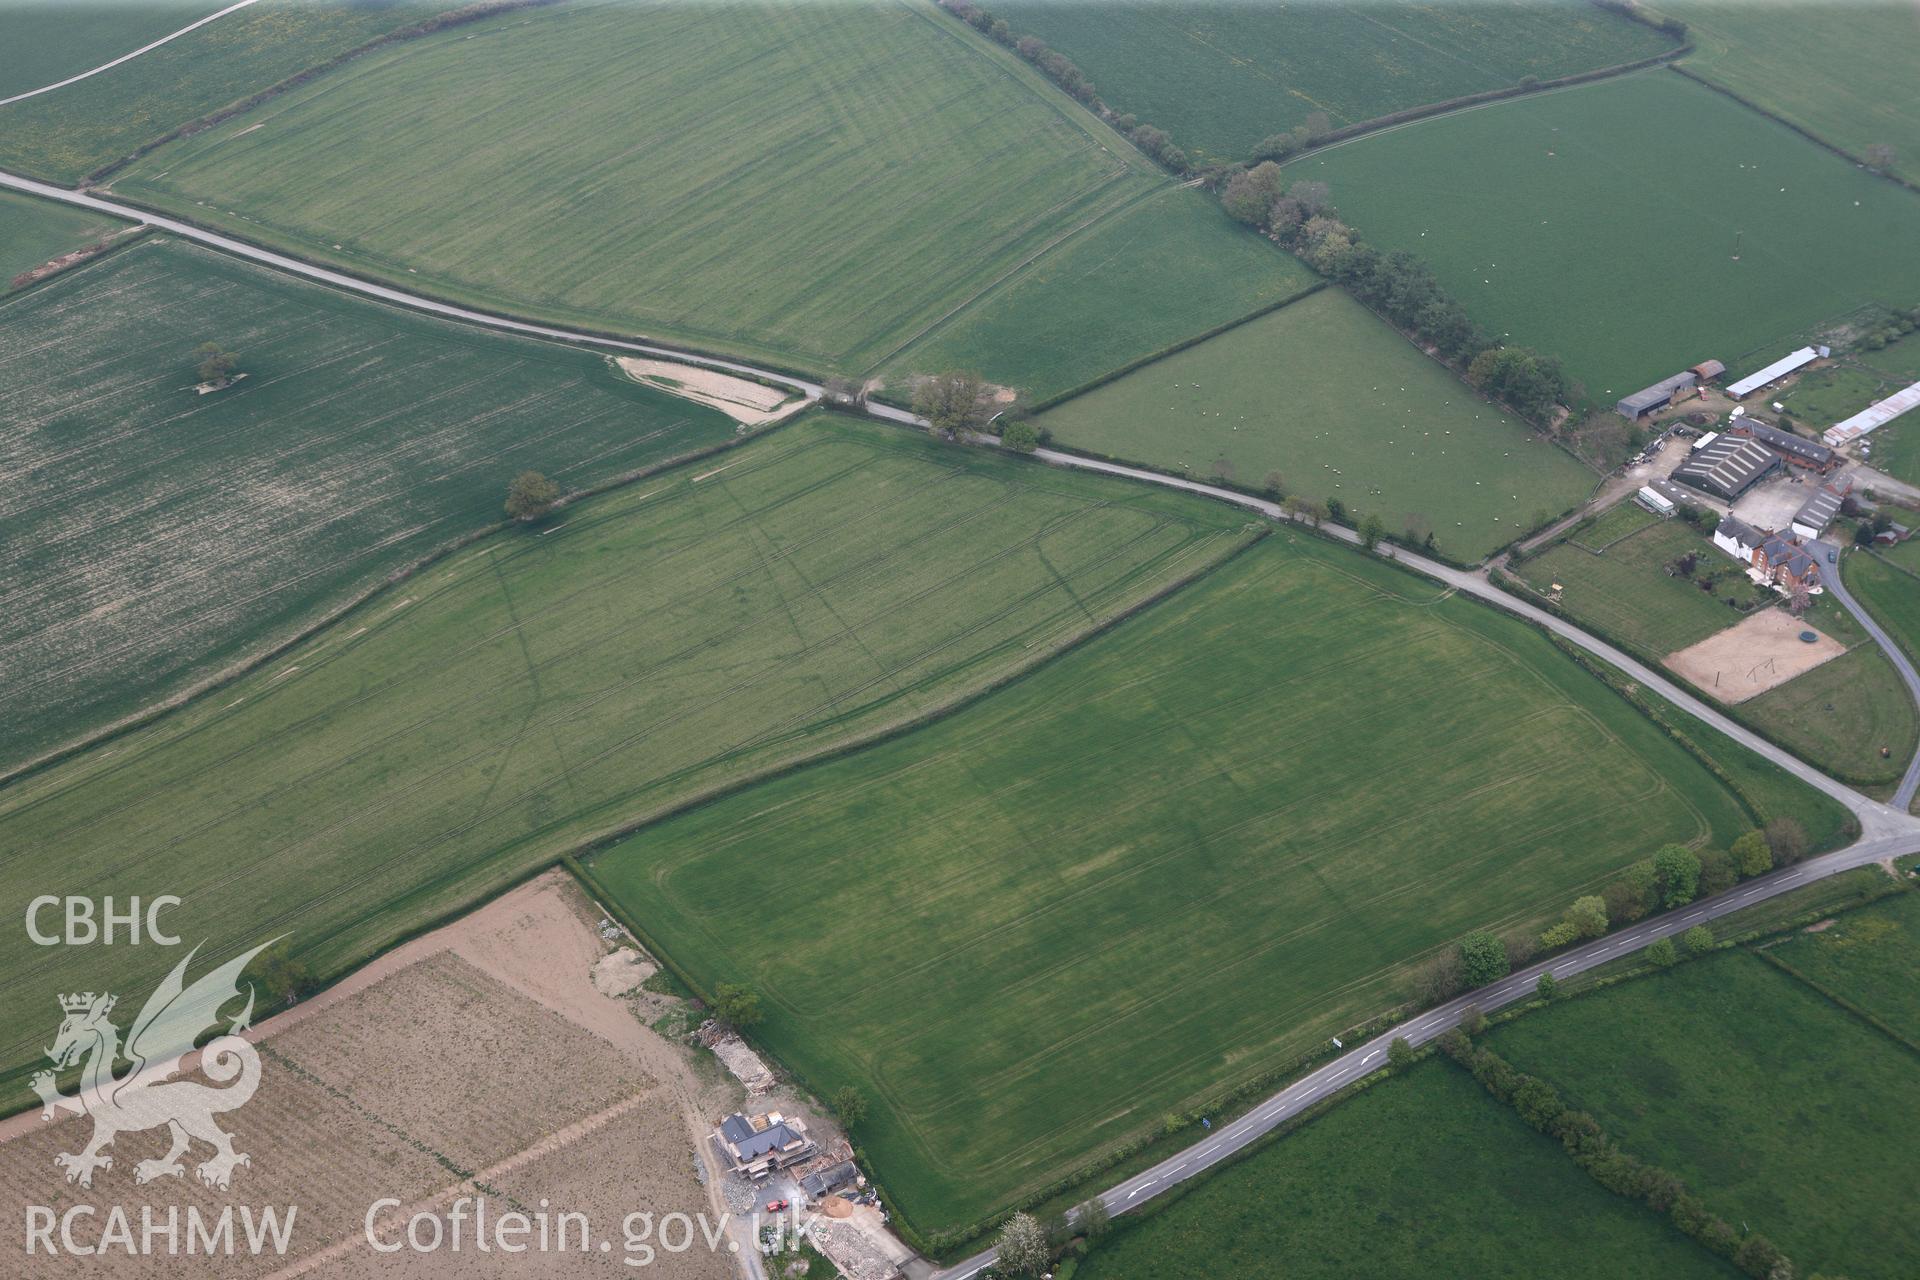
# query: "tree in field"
(850, 1105)
(1678, 870)
(283, 978)
(1788, 840)
(1372, 529)
(1250, 195)
(1439, 979)
(217, 365)
(1752, 855)
(1314, 198)
(1697, 940)
(950, 402)
(1400, 1054)
(1094, 1219)
(1274, 485)
(1022, 1247)
(1483, 959)
(1472, 1021)
(531, 495)
(1717, 874)
(842, 390)
(1020, 437)
(1588, 915)
(1663, 954)
(1547, 987)
(736, 1005)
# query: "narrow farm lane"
(126, 57)
(1885, 832)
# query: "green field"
(1896, 449)
(65, 135)
(1891, 594)
(1586, 224)
(1179, 857)
(1221, 76)
(1842, 72)
(813, 184)
(545, 687)
(34, 232)
(1869, 958)
(1422, 1175)
(1840, 714)
(1780, 1109)
(1342, 407)
(155, 535)
(1626, 592)
(49, 40)
(1153, 274)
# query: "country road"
(125, 57)
(1885, 832)
(1903, 794)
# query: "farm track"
(1885, 832)
(126, 57)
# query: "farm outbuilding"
(1657, 396)
(1727, 467)
(1878, 415)
(1818, 511)
(1777, 370)
(1798, 450)
(1653, 500)
(1708, 370)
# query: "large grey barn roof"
(1656, 395)
(1819, 510)
(1729, 466)
(1785, 441)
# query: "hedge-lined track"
(150, 536)
(1193, 848)
(699, 628)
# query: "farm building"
(1658, 396)
(1772, 559)
(1653, 500)
(1708, 370)
(1818, 511)
(1777, 370)
(1798, 450)
(1728, 466)
(757, 1145)
(1877, 415)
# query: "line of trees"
(1072, 81)
(1540, 1105)
(1301, 216)
(1672, 877)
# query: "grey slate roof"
(1819, 510)
(831, 1178)
(1740, 531)
(1654, 396)
(1728, 467)
(1784, 441)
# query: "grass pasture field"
(64, 135)
(150, 536)
(546, 686)
(1890, 592)
(1869, 958)
(1157, 867)
(1626, 591)
(1779, 1108)
(1342, 407)
(1840, 72)
(1163, 269)
(787, 181)
(1422, 1175)
(1896, 449)
(35, 232)
(1220, 76)
(1594, 229)
(49, 40)
(1841, 714)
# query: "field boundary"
(1173, 349)
(331, 613)
(1802, 130)
(1837, 1000)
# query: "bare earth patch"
(479, 1060)
(741, 399)
(1754, 655)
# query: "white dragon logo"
(144, 1097)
